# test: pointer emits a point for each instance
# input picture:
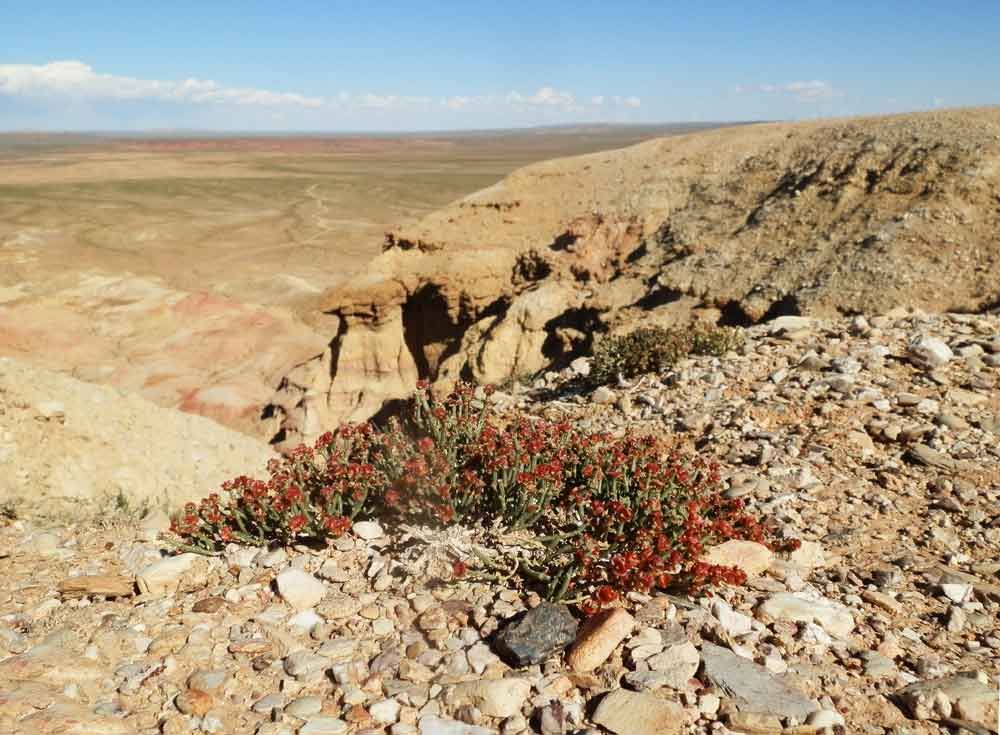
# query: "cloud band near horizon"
(77, 80)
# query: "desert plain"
(188, 269)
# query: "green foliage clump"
(653, 349)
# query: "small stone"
(209, 605)
(304, 707)
(537, 634)
(207, 681)
(368, 530)
(968, 693)
(493, 697)
(676, 665)
(272, 559)
(746, 721)
(929, 352)
(514, 724)
(480, 657)
(324, 726)
(383, 627)
(103, 585)
(734, 623)
(806, 608)
(552, 719)
(825, 718)
(304, 621)
(435, 618)
(957, 593)
(385, 711)
(194, 702)
(956, 620)
(603, 396)
(339, 606)
(708, 704)
(266, 705)
(882, 600)
(164, 577)
(878, 666)
(634, 713)
(303, 664)
(753, 558)
(598, 638)
(300, 589)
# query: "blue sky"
(389, 66)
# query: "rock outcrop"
(734, 226)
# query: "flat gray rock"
(755, 688)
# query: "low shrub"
(654, 349)
(607, 515)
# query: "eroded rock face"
(735, 225)
(201, 353)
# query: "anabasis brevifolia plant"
(606, 514)
(652, 349)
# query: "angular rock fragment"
(754, 688)
(537, 634)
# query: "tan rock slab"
(634, 713)
(751, 557)
(103, 585)
(598, 638)
(494, 698)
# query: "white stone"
(368, 530)
(324, 726)
(957, 592)
(930, 352)
(480, 657)
(807, 607)
(300, 589)
(385, 711)
(677, 664)
(272, 559)
(734, 623)
(164, 577)
(494, 697)
(304, 621)
(825, 718)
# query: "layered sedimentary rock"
(733, 226)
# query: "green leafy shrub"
(606, 514)
(653, 349)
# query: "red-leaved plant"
(608, 514)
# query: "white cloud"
(544, 97)
(372, 101)
(76, 80)
(79, 80)
(803, 91)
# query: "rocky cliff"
(734, 226)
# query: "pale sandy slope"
(69, 449)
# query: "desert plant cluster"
(654, 349)
(606, 514)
